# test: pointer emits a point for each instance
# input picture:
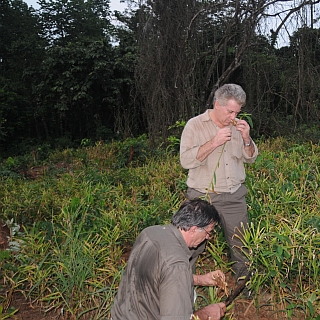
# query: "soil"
(28, 311)
(259, 308)
(242, 309)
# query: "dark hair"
(196, 212)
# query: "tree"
(67, 21)
(130, 119)
(75, 89)
(21, 50)
(187, 49)
(305, 45)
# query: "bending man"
(158, 283)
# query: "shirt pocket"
(236, 147)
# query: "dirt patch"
(9, 301)
(36, 172)
(27, 311)
(241, 309)
(260, 307)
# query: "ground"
(243, 309)
(250, 309)
(259, 308)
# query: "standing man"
(158, 283)
(214, 147)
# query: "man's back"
(158, 280)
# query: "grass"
(89, 205)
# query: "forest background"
(68, 72)
(86, 98)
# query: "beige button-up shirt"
(223, 170)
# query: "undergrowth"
(79, 210)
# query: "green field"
(74, 213)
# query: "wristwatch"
(247, 144)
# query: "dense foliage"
(61, 77)
(75, 215)
(74, 82)
(67, 73)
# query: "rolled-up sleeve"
(189, 147)
(247, 158)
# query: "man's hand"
(244, 129)
(219, 139)
(213, 311)
(222, 136)
(213, 278)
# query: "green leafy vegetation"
(73, 71)
(74, 219)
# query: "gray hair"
(230, 91)
(196, 212)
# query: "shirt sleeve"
(252, 159)
(176, 293)
(189, 148)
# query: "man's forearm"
(196, 279)
(212, 311)
(201, 315)
(205, 150)
(203, 279)
(249, 147)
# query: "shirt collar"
(206, 115)
(181, 240)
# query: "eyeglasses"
(209, 233)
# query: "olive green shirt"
(221, 174)
(158, 281)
